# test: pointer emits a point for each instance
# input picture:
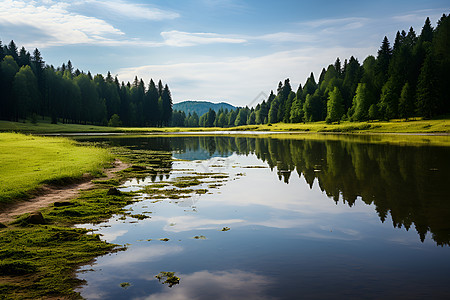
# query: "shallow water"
(307, 219)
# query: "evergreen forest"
(31, 90)
(406, 79)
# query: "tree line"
(408, 79)
(30, 89)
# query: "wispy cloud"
(349, 23)
(130, 10)
(60, 26)
(413, 17)
(183, 39)
(244, 76)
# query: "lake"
(282, 218)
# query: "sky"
(216, 50)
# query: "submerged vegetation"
(168, 277)
(38, 258)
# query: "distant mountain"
(201, 107)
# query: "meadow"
(28, 162)
(417, 125)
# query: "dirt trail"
(53, 194)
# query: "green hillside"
(201, 107)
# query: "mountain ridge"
(201, 106)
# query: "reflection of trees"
(409, 183)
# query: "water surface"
(307, 218)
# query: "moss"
(41, 259)
(168, 277)
(92, 206)
(107, 182)
(182, 183)
(140, 216)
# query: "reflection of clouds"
(188, 223)
(217, 285)
(284, 223)
(324, 232)
(111, 236)
(142, 254)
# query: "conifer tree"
(335, 106)
(427, 94)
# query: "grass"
(394, 126)
(38, 261)
(28, 162)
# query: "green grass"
(394, 126)
(39, 261)
(28, 162)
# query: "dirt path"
(53, 194)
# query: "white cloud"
(419, 16)
(342, 22)
(132, 10)
(56, 23)
(60, 26)
(240, 79)
(183, 39)
(281, 37)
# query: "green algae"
(168, 277)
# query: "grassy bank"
(38, 261)
(393, 126)
(28, 162)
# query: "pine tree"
(406, 102)
(427, 94)
(427, 32)
(383, 59)
(335, 106)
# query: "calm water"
(308, 219)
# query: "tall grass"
(28, 162)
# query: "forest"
(405, 80)
(32, 90)
(408, 79)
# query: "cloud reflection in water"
(218, 285)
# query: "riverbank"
(393, 126)
(30, 162)
(40, 251)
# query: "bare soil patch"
(51, 194)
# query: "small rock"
(35, 218)
(114, 192)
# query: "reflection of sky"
(218, 285)
(278, 230)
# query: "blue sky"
(217, 50)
